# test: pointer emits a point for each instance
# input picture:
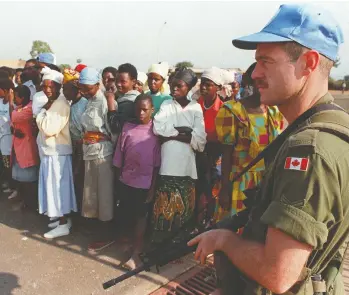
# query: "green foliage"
(346, 78)
(186, 64)
(39, 47)
(335, 84)
(79, 60)
(64, 66)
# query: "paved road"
(31, 265)
(342, 100)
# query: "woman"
(141, 80)
(25, 154)
(212, 81)
(157, 75)
(180, 125)
(78, 107)
(109, 78)
(56, 186)
(235, 87)
(244, 128)
(98, 150)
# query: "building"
(14, 64)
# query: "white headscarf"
(142, 77)
(52, 75)
(214, 74)
(228, 76)
(160, 69)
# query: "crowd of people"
(136, 151)
(146, 154)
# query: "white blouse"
(178, 158)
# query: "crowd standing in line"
(135, 152)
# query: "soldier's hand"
(224, 198)
(209, 242)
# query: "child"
(126, 80)
(157, 75)
(25, 155)
(137, 158)
(6, 107)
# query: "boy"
(137, 158)
(126, 80)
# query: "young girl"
(25, 155)
(180, 124)
(157, 75)
(137, 158)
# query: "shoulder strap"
(279, 140)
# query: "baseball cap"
(307, 24)
(89, 76)
(47, 57)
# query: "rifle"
(173, 249)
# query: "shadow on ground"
(32, 226)
(8, 283)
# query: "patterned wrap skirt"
(174, 205)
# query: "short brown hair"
(295, 50)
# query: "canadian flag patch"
(300, 164)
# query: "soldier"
(300, 219)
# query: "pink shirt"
(137, 154)
(26, 149)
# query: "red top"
(26, 149)
(210, 115)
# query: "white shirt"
(39, 100)
(4, 118)
(178, 158)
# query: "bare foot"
(133, 262)
(216, 292)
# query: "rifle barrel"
(125, 276)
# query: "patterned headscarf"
(186, 75)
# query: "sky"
(111, 33)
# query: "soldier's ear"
(310, 61)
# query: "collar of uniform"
(327, 98)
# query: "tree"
(186, 64)
(79, 60)
(346, 78)
(64, 66)
(39, 47)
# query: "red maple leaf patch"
(295, 163)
